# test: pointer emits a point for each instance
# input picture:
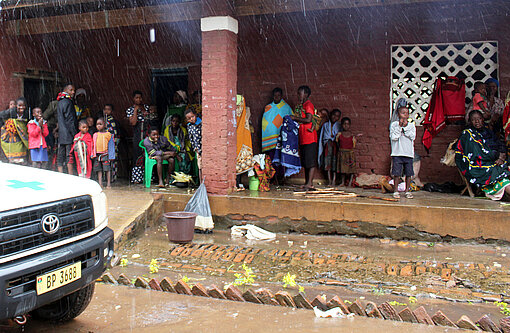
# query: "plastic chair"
(149, 166)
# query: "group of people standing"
(303, 137)
(177, 139)
(65, 135)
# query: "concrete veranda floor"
(125, 203)
(434, 213)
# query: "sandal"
(396, 195)
(409, 195)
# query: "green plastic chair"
(149, 166)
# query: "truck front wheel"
(66, 308)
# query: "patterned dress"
(476, 161)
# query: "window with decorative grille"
(415, 67)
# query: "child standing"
(328, 147)
(100, 152)
(346, 144)
(402, 135)
(194, 125)
(37, 132)
(82, 148)
(91, 124)
(112, 127)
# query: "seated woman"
(481, 158)
(177, 135)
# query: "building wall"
(89, 59)
(344, 56)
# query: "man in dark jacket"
(66, 117)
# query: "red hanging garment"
(447, 103)
(454, 98)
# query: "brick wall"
(219, 79)
(344, 56)
(89, 59)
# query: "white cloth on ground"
(252, 232)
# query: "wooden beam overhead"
(23, 4)
(264, 7)
(176, 12)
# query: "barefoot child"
(328, 146)
(37, 132)
(159, 148)
(82, 148)
(402, 135)
(346, 144)
(100, 153)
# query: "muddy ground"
(455, 278)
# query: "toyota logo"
(50, 223)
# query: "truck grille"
(21, 230)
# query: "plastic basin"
(180, 226)
(254, 183)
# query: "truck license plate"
(58, 278)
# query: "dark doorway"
(39, 92)
(164, 83)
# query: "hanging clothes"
(287, 147)
(244, 160)
(264, 173)
(446, 104)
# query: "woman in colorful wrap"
(14, 132)
(272, 121)
(177, 135)
(481, 158)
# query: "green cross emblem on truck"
(17, 184)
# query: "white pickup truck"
(54, 243)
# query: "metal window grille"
(415, 67)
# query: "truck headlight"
(100, 207)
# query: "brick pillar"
(219, 89)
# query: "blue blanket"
(287, 148)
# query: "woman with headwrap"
(178, 106)
(481, 158)
(82, 110)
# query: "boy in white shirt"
(402, 135)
